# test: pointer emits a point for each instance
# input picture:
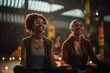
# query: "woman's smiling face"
(39, 25)
(77, 28)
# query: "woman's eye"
(37, 23)
(81, 25)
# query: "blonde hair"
(72, 23)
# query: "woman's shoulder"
(26, 38)
(86, 40)
(46, 38)
(69, 39)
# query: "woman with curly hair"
(36, 49)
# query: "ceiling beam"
(68, 7)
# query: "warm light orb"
(90, 62)
(97, 13)
(13, 58)
(59, 58)
(19, 58)
(6, 67)
(10, 58)
(3, 58)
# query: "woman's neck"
(77, 37)
(37, 35)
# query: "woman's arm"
(91, 53)
(52, 58)
(64, 53)
(64, 61)
(23, 55)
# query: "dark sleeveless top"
(37, 58)
(47, 49)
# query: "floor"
(6, 66)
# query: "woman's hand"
(66, 65)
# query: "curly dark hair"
(29, 20)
